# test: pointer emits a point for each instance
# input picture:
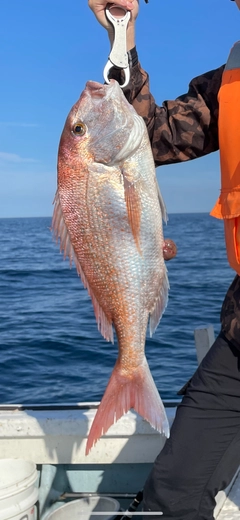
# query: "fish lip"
(98, 90)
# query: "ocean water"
(50, 348)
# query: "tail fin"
(123, 392)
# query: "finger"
(169, 249)
(127, 4)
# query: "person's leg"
(203, 451)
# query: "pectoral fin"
(133, 203)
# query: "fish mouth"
(97, 90)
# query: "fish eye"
(79, 128)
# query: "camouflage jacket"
(184, 129)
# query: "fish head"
(101, 127)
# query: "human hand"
(98, 7)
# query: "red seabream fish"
(108, 214)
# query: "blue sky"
(50, 48)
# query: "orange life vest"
(228, 204)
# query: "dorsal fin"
(162, 204)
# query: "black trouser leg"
(203, 451)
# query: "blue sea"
(50, 347)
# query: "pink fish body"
(108, 214)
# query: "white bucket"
(83, 508)
(18, 491)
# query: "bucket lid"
(16, 474)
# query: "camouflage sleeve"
(230, 313)
(185, 128)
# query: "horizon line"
(172, 213)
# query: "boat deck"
(54, 437)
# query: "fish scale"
(108, 215)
